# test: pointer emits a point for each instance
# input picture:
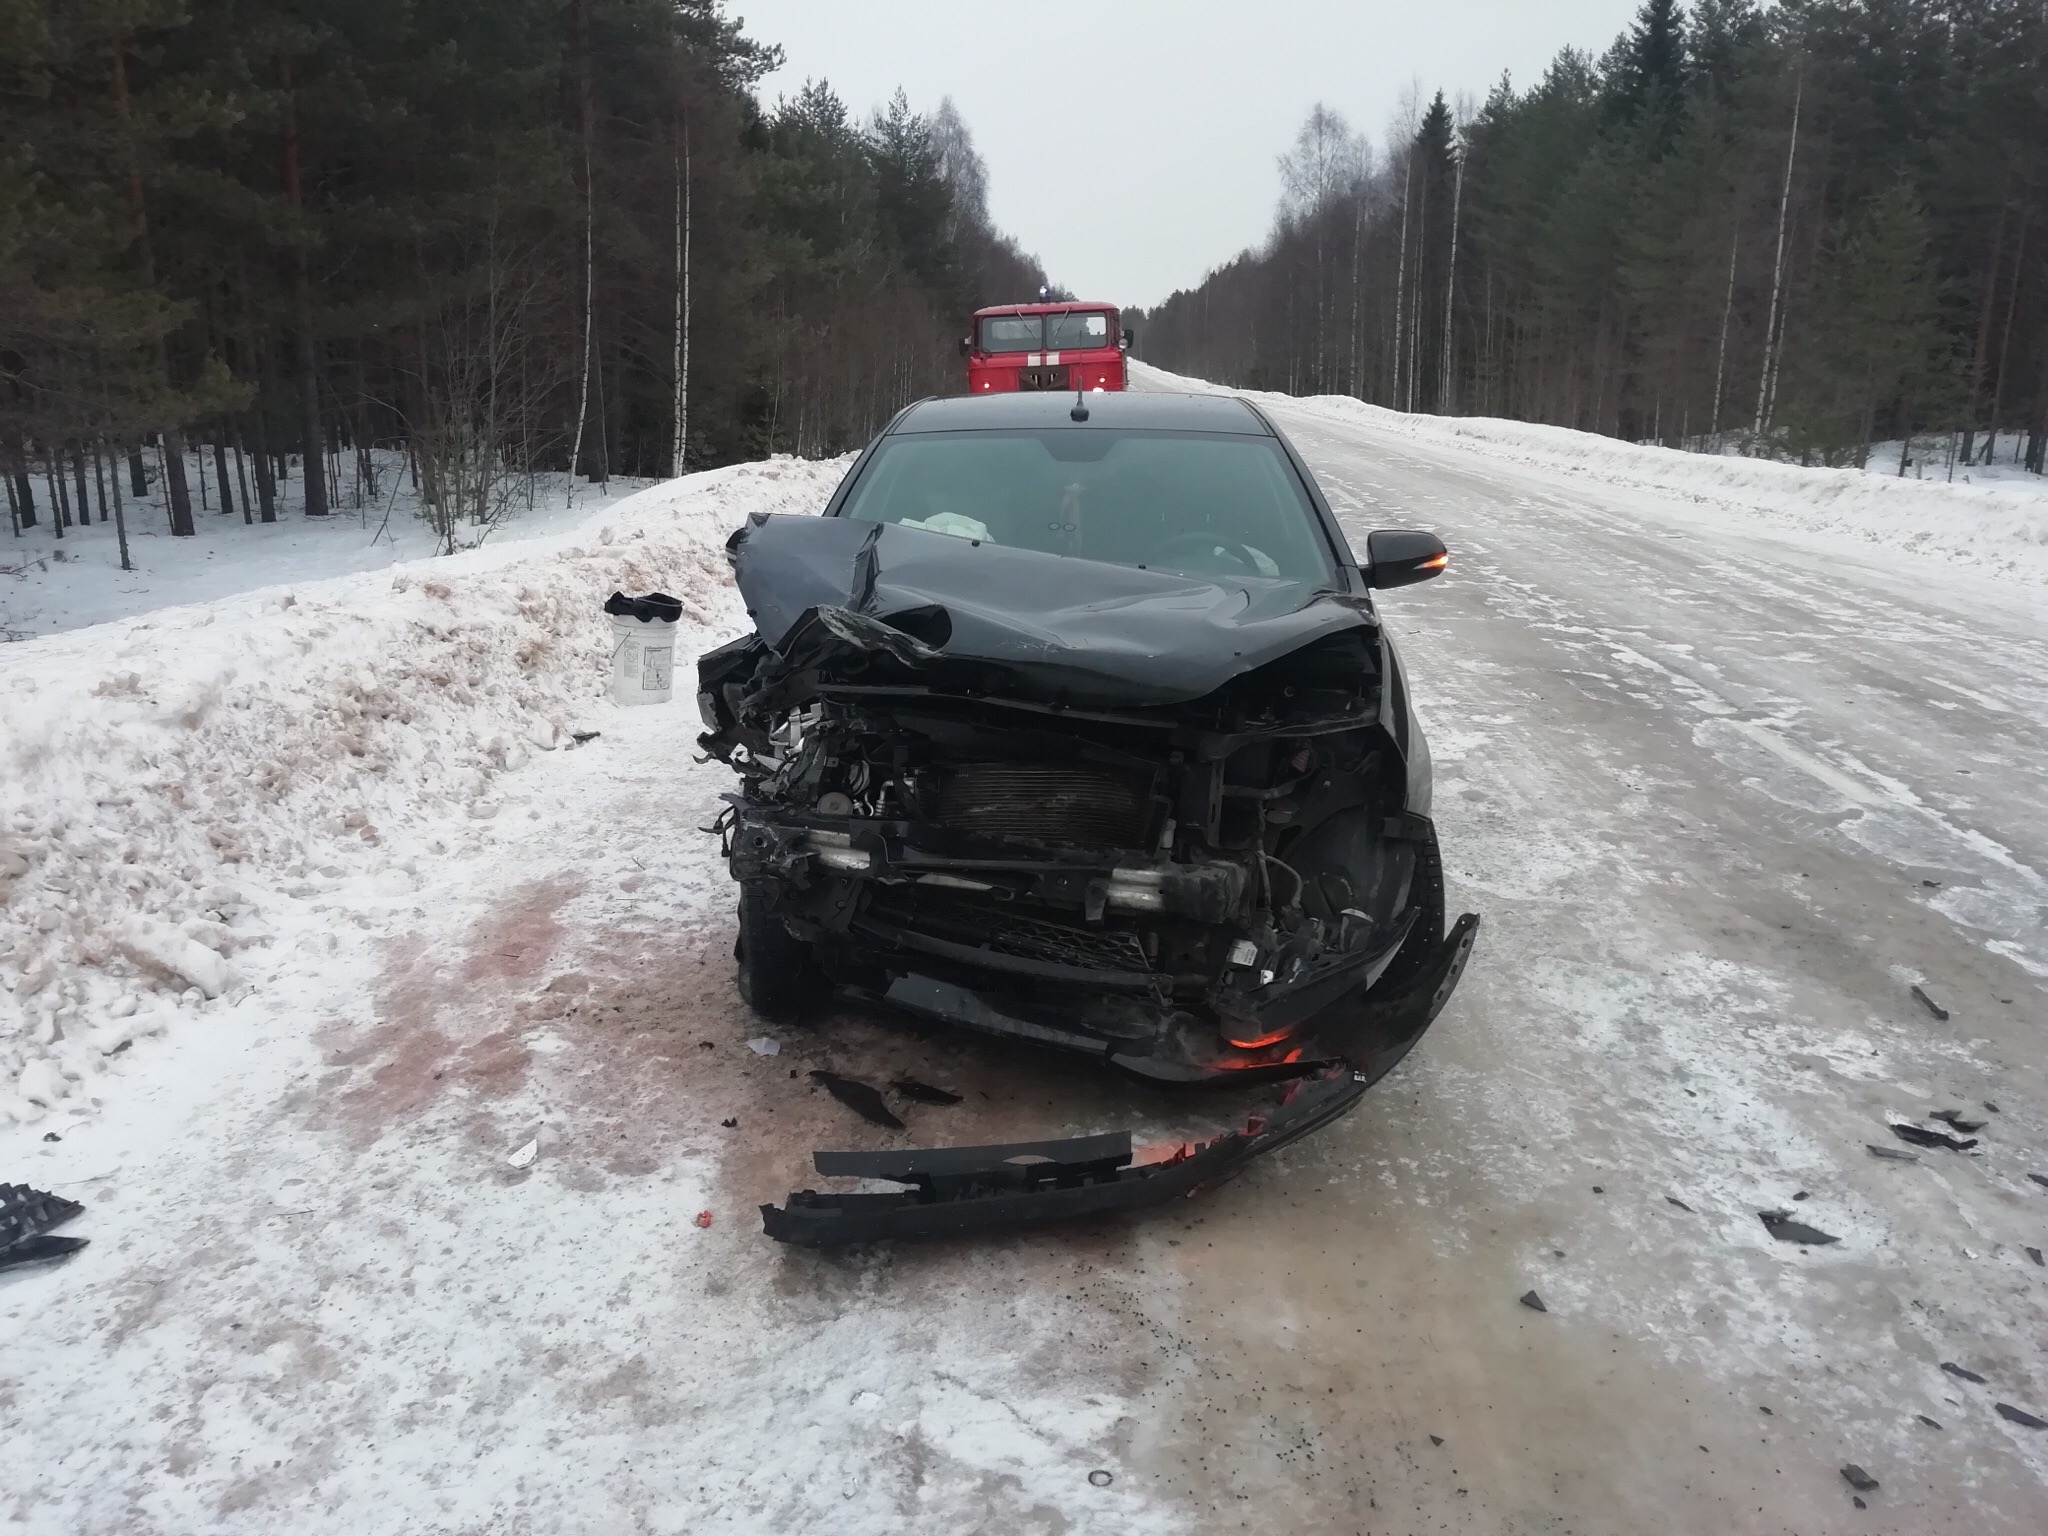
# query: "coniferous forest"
(250, 239)
(1799, 229)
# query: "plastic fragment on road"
(1780, 1224)
(2019, 1416)
(1857, 1478)
(26, 1215)
(2040, 1179)
(1961, 1373)
(1954, 1118)
(1930, 1423)
(703, 1218)
(1533, 1302)
(1674, 1200)
(2035, 1255)
(924, 1093)
(761, 1045)
(525, 1155)
(1920, 1136)
(1892, 1154)
(861, 1098)
(1101, 1478)
(1930, 1004)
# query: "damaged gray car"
(1072, 722)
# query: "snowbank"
(2002, 531)
(171, 785)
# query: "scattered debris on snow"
(761, 1045)
(1954, 1118)
(1857, 1478)
(1961, 1373)
(924, 1093)
(26, 1216)
(859, 1097)
(1533, 1302)
(1782, 1226)
(524, 1157)
(1892, 1154)
(1920, 1136)
(1929, 1003)
(2019, 1416)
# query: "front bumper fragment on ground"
(954, 1191)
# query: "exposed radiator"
(1047, 802)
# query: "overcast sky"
(1131, 143)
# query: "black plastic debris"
(1857, 1478)
(2040, 1179)
(1100, 1478)
(652, 607)
(2019, 1416)
(1960, 1373)
(2035, 1255)
(1781, 1226)
(730, 1124)
(1954, 1117)
(25, 1216)
(1892, 1154)
(1533, 1302)
(859, 1097)
(1920, 1136)
(1674, 1200)
(959, 1190)
(1930, 1004)
(924, 1093)
(580, 737)
(1436, 1439)
(1857, 1500)
(1930, 1423)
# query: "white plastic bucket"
(643, 660)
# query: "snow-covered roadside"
(2001, 531)
(49, 585)
(182, 795)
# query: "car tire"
(778, 975)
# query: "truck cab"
(1045, 346)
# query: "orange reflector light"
(1435, 562)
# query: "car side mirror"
(1130, 338)
(1400, 557)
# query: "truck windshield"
(1013, 333)
(1200, 504)
(1073, 332)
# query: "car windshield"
(1012, 333)
(1199, 504)
(1075, 332)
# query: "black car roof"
(1052, 408)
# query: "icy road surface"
(1725, 785)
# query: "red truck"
(1045, 346)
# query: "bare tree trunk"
(1443, 404)
(121, 520)
(199, 459)
(2012, 299)
(177, 496)
(220, 473)
(1765, 385)
(60, 511)
(1727, 310)
(242, 476)
(315, 445)
(683, 304)
(138, 473)
(99, 478)
(580, 26)
(78, 479)
(1401, 275)
(24, 488)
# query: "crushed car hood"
(950, 609)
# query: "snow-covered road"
(1700, 759)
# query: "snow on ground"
(1724, 774)
(2001, 527)
(48, 584)
(174, 788)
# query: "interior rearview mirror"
(1399, 557)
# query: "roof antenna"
(1080, 410)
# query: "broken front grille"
(1103, 951)
(1048, 802)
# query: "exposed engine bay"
(1176, 825)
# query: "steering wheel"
(1208, 546)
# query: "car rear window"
(1205, 504)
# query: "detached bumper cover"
(960, 1190)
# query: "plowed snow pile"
(173, 786)
(2002, 531)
